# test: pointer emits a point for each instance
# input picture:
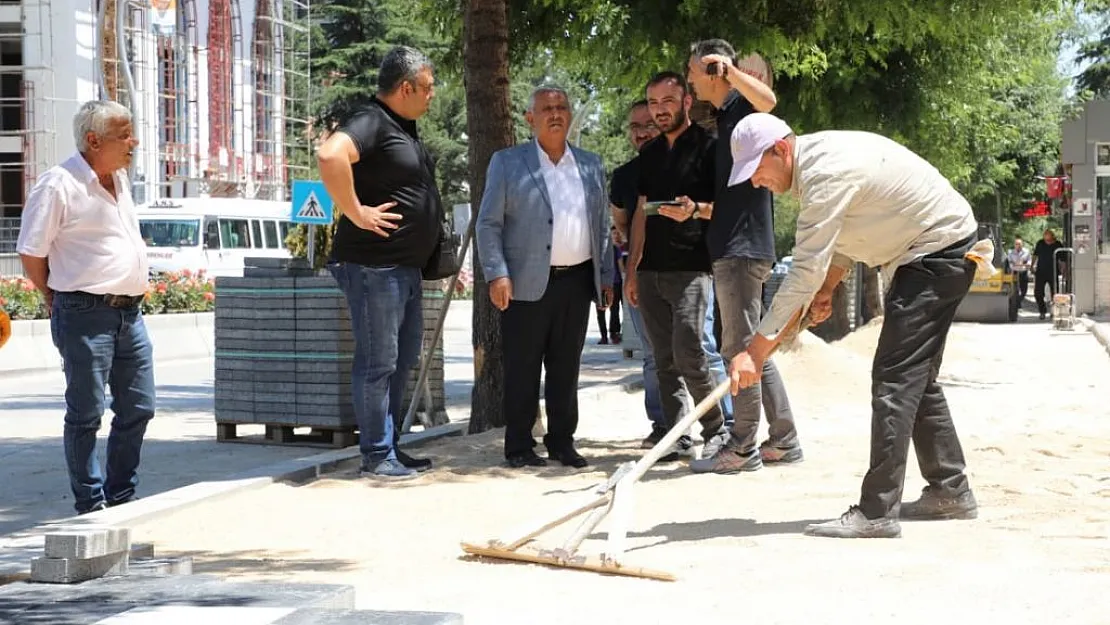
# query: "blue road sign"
(311, 203)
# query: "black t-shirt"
(624, 186)
(667, 172)
(393, 166)
(743, 223)
(1046, 258)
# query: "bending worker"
(865, 198)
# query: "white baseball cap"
(750, 139)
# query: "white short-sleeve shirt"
(90, 239)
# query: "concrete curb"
(1100, 330)
(184, 336)
(17, 549)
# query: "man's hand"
(606, 298)
(501, 292)
(722, 61)
(821, 307)
(744, 371)
(376, 219)
(679, 213)
(48, 301)
(631, 289)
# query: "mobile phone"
(714, 69)
(652, 208)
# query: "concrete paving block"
(327, 421)
(85, 543)
(275, 402)
(73, 570)
(334, 389)
(270, 262)
(321, 303)
(325, 281)
(269, 387)
(272, 365)
(235, 416)
(327, 347)
(141, 550)
(369, 617)
(321, 410)
(334, 333)
(233, 375)
(233, 391)
(161, 566)
(286, 416)
(265, 272)
(332, 366)
(228, 363)
(238, 405)
(238, 345)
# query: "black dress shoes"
(419, 464)
(525, 459)
(569, 457)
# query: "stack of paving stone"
(434, 388)
(284, 350)
(89, 552)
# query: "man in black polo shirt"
(741, 242)
(624, 192)
(668, 268)
(383, 182)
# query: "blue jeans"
(103, 346)
(388, 323)
(716, 363)
(652, 404)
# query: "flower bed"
(173, 292)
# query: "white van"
(213, 234)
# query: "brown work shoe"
(728, 460)
(780, 455)
(933, 506)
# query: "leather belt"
(558, 269)
(115, 301)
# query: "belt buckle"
(119, 301)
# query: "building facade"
(219, 90)
(1086, 156)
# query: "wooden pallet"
(280, 434)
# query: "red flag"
(1055, 187)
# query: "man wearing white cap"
(865, 198)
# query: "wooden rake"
(612, 498)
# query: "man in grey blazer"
(544, 247)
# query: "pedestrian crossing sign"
(311, 203)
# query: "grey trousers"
(673, 305)
(739, 284)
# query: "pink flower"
(160, 287)
(209, 296)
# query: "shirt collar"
(545, 160)
(730, 99)
(82, 170)
(795, 187)
(407, 125)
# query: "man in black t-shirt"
(1046, 270)
(382, 181)
(668, 270)
(741, 242)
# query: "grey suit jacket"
(515, 221)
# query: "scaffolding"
(295, 47)
(266, 63)
(27, 116)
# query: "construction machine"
(997, 298)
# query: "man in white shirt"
(1020, 260)
(80, 245)
(866, 198)
(543, 241)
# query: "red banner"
(1039, 209)
(1054, 187)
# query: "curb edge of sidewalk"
(17, 548)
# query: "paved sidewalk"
(181, 446)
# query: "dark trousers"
(103, 346)
(1023, 284)
(614, 312)
(1040, 281)
(907, 403)
(546, 335)
(673, 305)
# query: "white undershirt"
(570, 232)
(91, 240)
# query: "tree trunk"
(872, 294)
(489, 128)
